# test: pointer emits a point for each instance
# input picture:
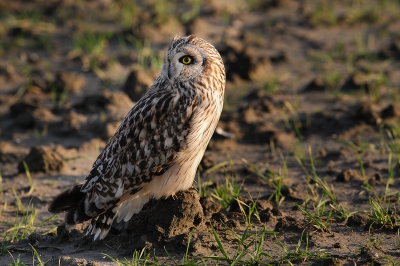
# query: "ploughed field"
(304, 166)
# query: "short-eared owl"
(157, 148)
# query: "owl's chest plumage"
(202, 125)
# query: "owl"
(157, 148)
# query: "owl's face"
(185, 59)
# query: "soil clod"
(42, 159)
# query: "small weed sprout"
(16, 262)
(275, 181)
(39, 135)
(139, 257)
(248, 211)
(397, 239)
(36, 256)
(244, 248)
(317, 222)
(328, 197)
(57, 98)
(32, 184)
(270, 86)
(193, 12)
(147, 58)
(358, 150)
(89, 47)
(323, 14)
(382, 215)
(18, 202)
(300, 254)
(127, 13)
(23, 225)
(296, 120)
(227, 193)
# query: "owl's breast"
(204, 121)
(202, 124)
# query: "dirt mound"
(138, 82)
(166, 220)
(348, 175)
(290, 223)
(24, 106)
(43, 159)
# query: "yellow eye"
(186, 60)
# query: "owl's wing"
(145, 145)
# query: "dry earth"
(310, 178)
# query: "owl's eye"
(186, 60)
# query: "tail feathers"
(101, 224)
(77, 215)
(67, 200)
(71, 201)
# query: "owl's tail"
(100, 225)
(67, 200)
(73, 201)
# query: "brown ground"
(311, 85)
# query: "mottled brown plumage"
(156, 150)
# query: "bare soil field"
(304, 166)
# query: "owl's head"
(188, 58)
